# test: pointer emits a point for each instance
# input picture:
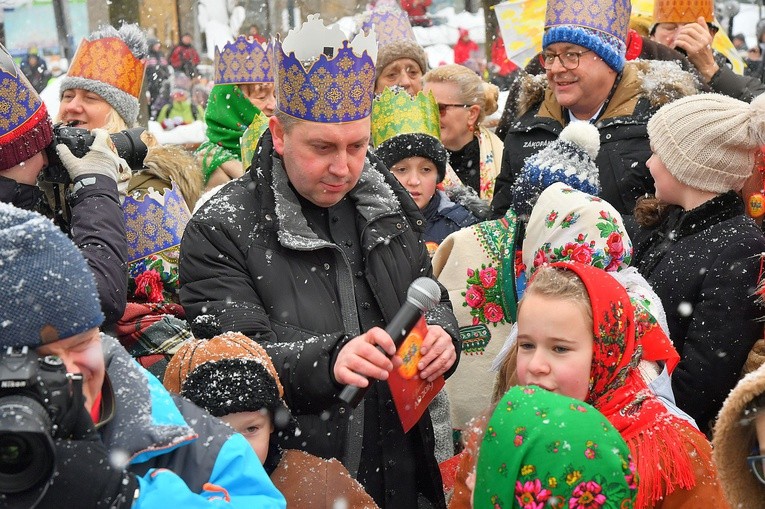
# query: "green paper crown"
(251, 137)
(397, 112)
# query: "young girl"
(588, 349)
(546, 449)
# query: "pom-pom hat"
(570, 159)
(111, 63)
(25, 127)
(709, 141)
(598, 25)
(49, 291)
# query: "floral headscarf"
(546, 450)
(620, 393)
(566, 224)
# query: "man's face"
(81, 354)
(403, 72)
(27, 172)
(323, 161)
(82, 108)
(584, 89)
(186, 39)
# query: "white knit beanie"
(708, 141)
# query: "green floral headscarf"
(229, 113)
(543, 450)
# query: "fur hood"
(659, 81)
(173, 163)
(734, 436)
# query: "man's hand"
(359, 359)
(696, 40)
(101, 159)
(438, 353)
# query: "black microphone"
(422, 295)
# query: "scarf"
(229, 113)
(619, 392)
(547, 450)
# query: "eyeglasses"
(569, 60)
(443, 107)
(757, 464)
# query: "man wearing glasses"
(588, 81)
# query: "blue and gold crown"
(154, 223)
(321, 77)
(389, 22)
(243, 61)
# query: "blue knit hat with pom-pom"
(49, 292)
(570, 159)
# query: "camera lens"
(26, 447)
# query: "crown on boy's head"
(321, 76)
(243, 61)
(395, 112)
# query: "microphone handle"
(398, 329)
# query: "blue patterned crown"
(243, 61)
(321, 77)
(389, 23)
(598, 25)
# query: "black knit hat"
(402, 146)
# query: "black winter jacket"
(624, 147)
(249, 258)
(97, 226)
(704, 265)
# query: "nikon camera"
(36, 394)
(128, 144)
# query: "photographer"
(95, 221)
(150, 447)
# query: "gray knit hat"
(111, 63)
(404, 48)
(49, 292)
(708, 141)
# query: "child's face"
(256, 427)
(554, 345)
(419, 176)
(668, 188)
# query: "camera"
(128, 144)
(36, 395)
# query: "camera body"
(36, 394)
(128, 144)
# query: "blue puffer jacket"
(178, 451)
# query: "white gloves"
(101, 159)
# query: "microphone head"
(424, 293)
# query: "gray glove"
(101, 159)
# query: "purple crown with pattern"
(154, 221)
(609, 16)
(243, 61)
(321, 76)
(389, 23)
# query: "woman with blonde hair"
(464, 101)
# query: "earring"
(470, 127)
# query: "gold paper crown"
(108, 60)
(683, 11)
(243, 61)
(395, 112)
(321, 77)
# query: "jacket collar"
(718, 209)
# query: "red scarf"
(653, 435)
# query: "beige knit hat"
(708, 141)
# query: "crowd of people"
(594, 338)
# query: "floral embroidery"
(484, 296)
(149, 286)
(589, 452)
(587, 496)
(551, 217)
(520, 435)
(528, 470)
(520, 267)
(531, 495)
(570, 219)
(572, 475)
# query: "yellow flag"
(522, 25)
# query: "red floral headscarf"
(620, 393)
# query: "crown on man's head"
(389, 22)
(395, 112)
(321, 77)
(243, 61)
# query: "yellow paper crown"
(395, 112)
(108, 60)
